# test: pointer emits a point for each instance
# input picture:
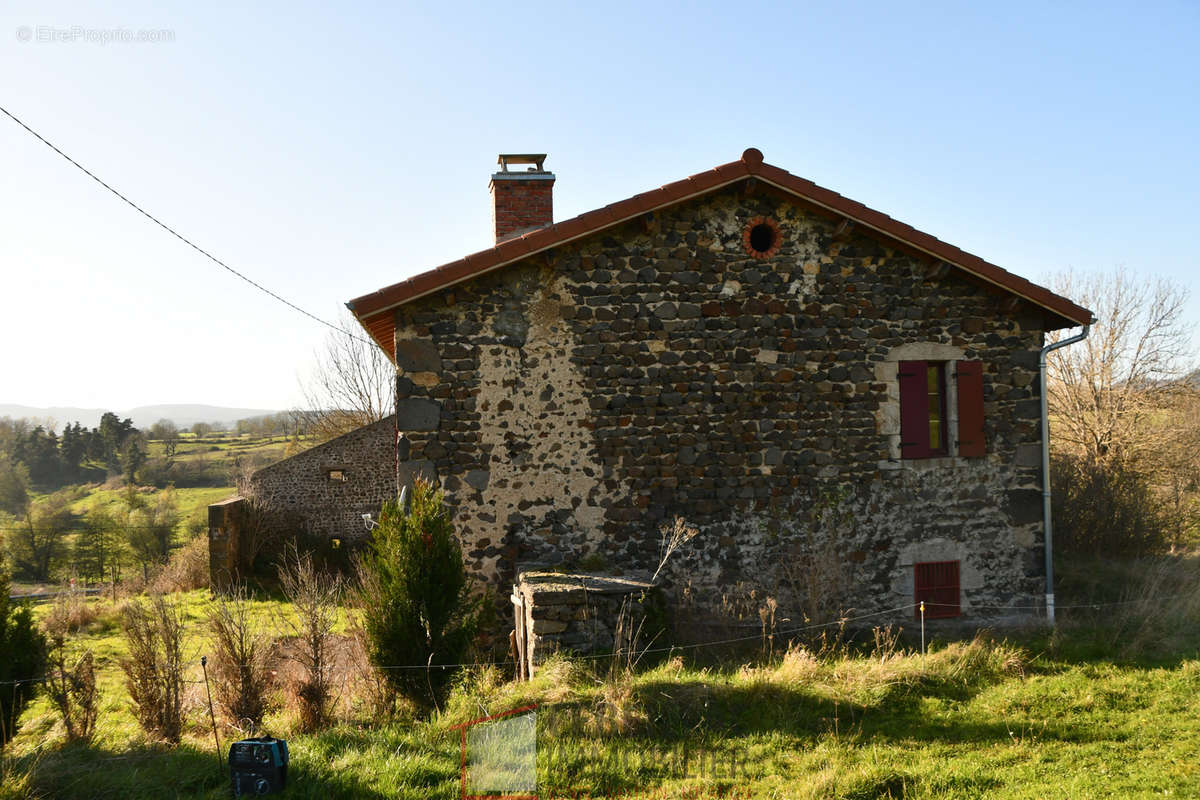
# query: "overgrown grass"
(1094, 710)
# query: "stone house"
(844, 407)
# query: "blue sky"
(327, 153)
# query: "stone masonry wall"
(308, 483)
(587, 395)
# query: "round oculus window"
(761, 237)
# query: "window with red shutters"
(936, 584)
(923, 431)
(968, 376)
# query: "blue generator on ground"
(258, 766)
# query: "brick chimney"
(521, 201)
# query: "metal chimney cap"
(537, 159)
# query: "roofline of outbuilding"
(372, 310)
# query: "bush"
(71, 611)
(154, 668)
(22, 658)
(1105, 509)
(314, 596)
(414, 595)
(186, 569)
(241, 674)
(72, 689)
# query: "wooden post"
(211, 715)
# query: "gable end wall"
(589, 395)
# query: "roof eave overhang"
(373, 310)
(353, 305)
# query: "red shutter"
(971, 442)
(914, 409)
(936, 583)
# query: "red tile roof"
(374, 310)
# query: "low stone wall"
(577, 612)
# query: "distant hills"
(183, 415)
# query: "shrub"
(154, 668)
(414, 594)
(1105, 509)
(240, 673)
(72, 689)
(314, 596)
(371, 686)
(71, 611)
(22, 658)
(186, 569)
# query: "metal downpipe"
(1047, 520)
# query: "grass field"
(1104, 707)
(271, 448)
(189, 501)
(203, 474)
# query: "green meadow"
(1102, 707)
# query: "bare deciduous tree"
(1103, 389)
(351, 385)
(1125, 426)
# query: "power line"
(177, 235)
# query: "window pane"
(934, 373)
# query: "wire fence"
(841, 622)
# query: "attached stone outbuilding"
(322, 492)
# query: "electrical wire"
(180, 236)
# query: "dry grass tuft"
(615, 710)
(798, 666)
(1161, 609)
(979, 660)
(71, 612)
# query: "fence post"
(211, 716)
(922, 629)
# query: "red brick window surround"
(761, 237)
(936, 584)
